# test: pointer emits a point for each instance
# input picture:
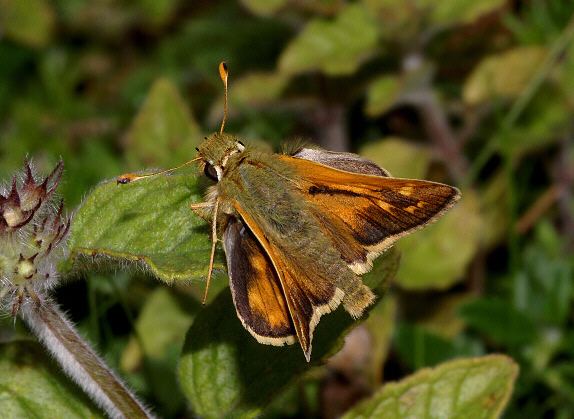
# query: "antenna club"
(223, 73)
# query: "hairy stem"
(80, 361)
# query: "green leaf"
(503, 75)
(382, 94)
(459, 11)
(159, 334)
(161, 324)
(148, 221)
(566, 74)
(30, 22)
(264, 7)
(494, 209)
(420, 347)
(542, 119)
(500, 321)
(543, 286)
(399, 156)
(225, 372)
(336, 47)
(164, 131)
(253, 91)
(466, 388)
(443, 318)
(257, 89)
(32, 386)
(157, 12)
(381, 326)
(436, 257)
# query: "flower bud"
(32, 233)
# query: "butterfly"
(299, 230)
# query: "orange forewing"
(363, 214)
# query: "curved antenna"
(223, 74)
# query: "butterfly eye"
(210, 172)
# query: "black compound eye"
(210, 172)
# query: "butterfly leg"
(202, 209)
(213, 246)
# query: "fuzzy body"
(267, 189)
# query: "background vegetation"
(478, 94)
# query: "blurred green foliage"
(479, 94)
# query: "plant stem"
(79, 360)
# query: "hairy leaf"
(148, 221)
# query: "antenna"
(132, 177)
(223, 73)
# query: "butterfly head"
(215, 152)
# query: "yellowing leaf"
(336, 47)
(477, 388)
(436, 257)
(503, 75)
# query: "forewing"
(255, 287)
(308, 293)
(363, 214)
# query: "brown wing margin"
(255, 287)
(307, 294)
(363, 215)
